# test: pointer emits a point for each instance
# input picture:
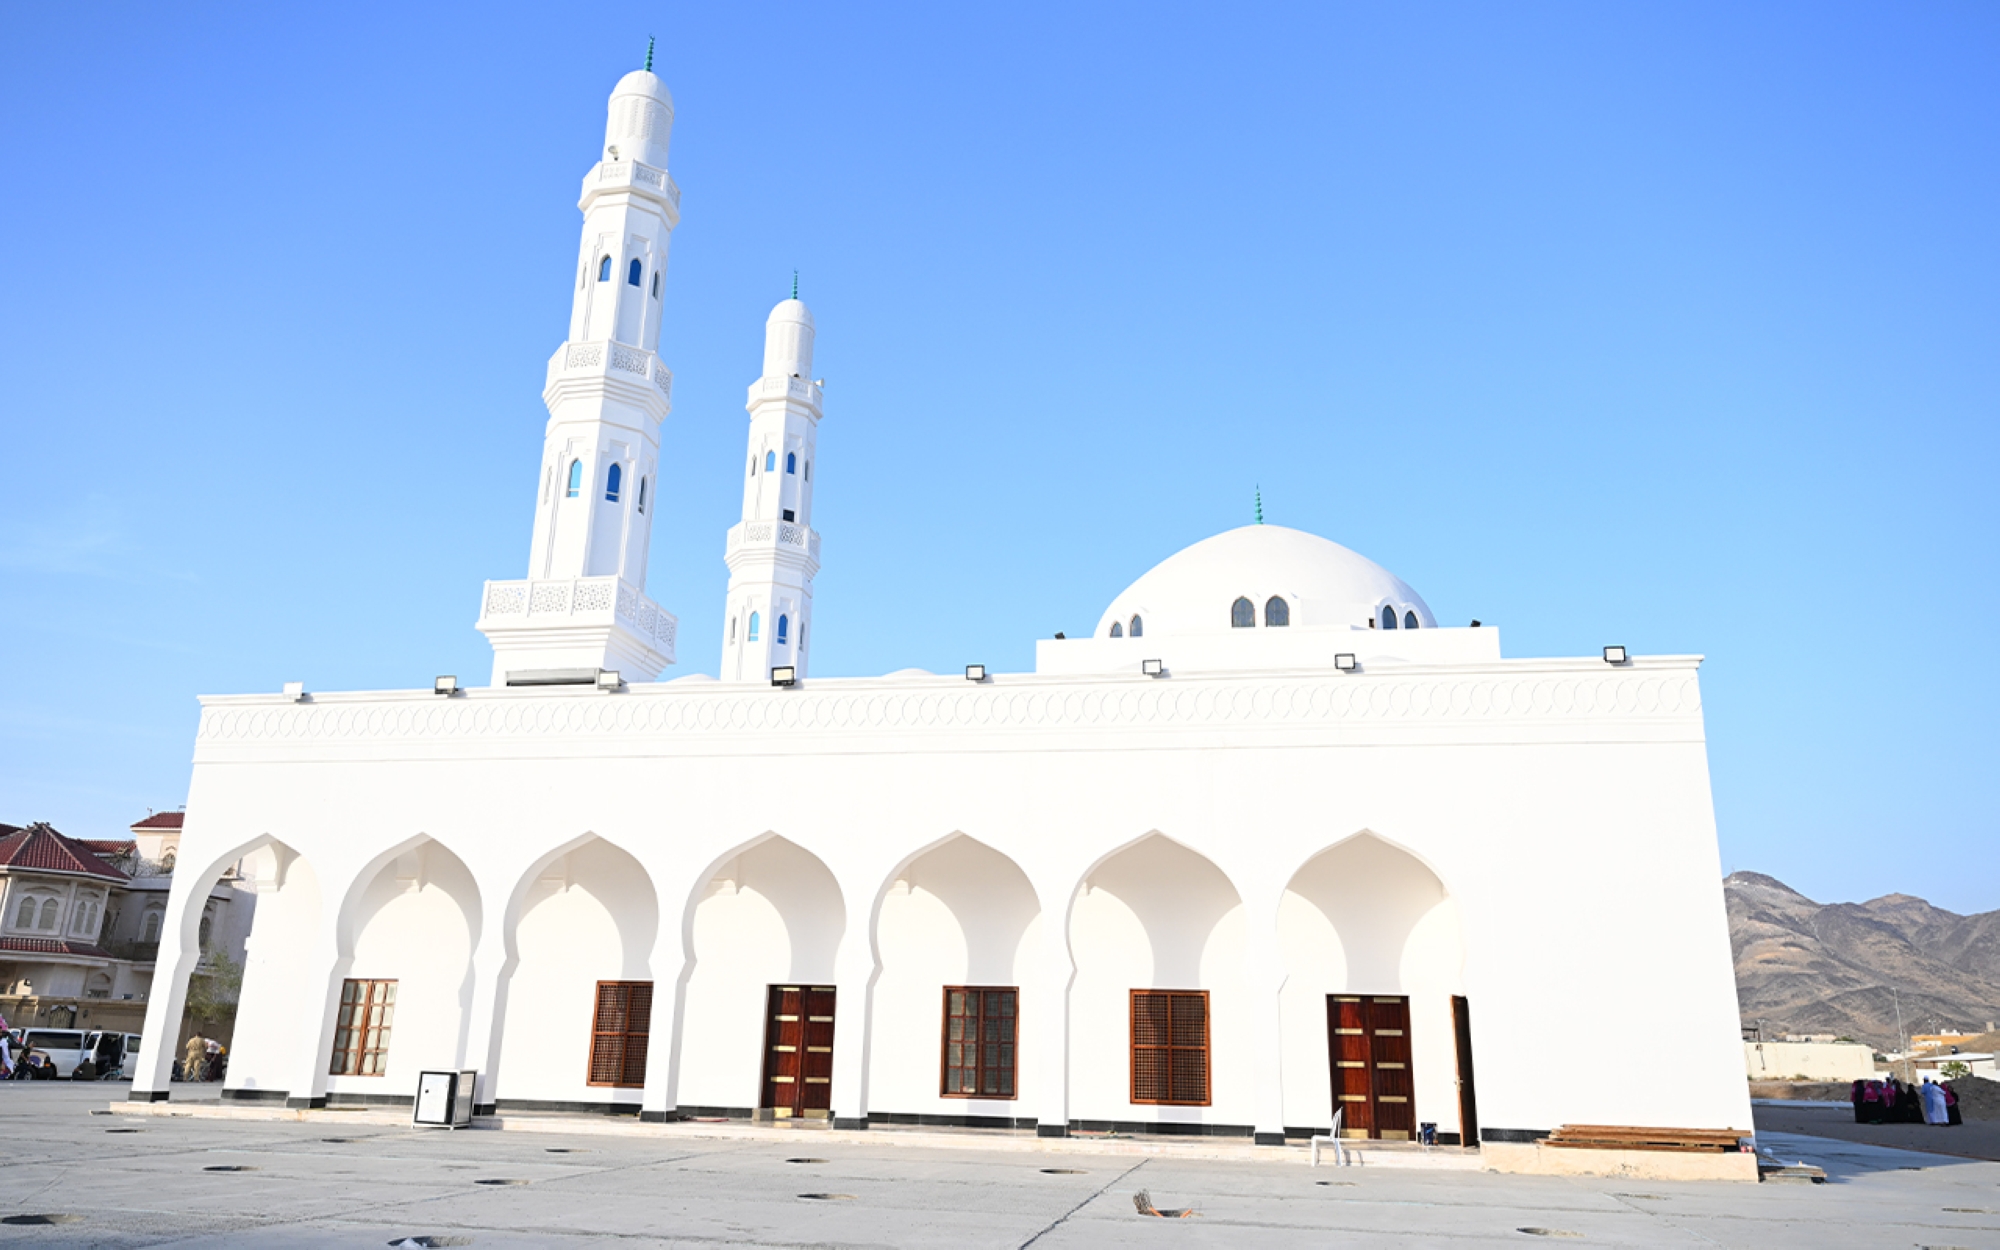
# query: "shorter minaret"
(773, 552)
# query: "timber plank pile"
(1628, 1137)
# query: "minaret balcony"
(796, 390)
(617, 370)
(564, 604)
(634, 176)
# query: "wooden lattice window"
(361, 1031)
(1170, 1047)
(618, 1033)
(981, 1029)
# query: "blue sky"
(1668, 325)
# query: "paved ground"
(1975, 1139)
(152, 1181)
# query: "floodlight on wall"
(445, 686)
(295, 691)
(1153, 668)
(1345, 662)
(975, 672)
(785, 675)
(608, 679)
(1615, 655)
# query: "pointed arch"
(575, 479)
(635, 273)
(604, 270)
(791, 462)
(1242, 613)
(614, 479)
(1277, 613)
(1388, 616)
(754, 622)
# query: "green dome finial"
(649, 54)
(1260, 505)
(795, 284)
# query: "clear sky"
(1670, 325)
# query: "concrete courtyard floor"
(158, 1180)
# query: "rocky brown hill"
(1806, 967)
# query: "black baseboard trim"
(1292, 1130)
(659, 1117)
(146, 1095)
(1162, 1129)
(1450, 1139)
(854, 1124)
(483, 1108)
(255, 1095)
(561, 1106)
(1268, 1139)
(305, 1104)
(951, 1121)
(1524, 1135)
(368, 1100)
(686, 1112)
(1051, 1130)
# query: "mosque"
(1272, 846)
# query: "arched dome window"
(642, 494)
(753, 627)
(612, 481)
(784, 629)
(1388, 617)
(635, 275)
(575, 479)
(1409, 620)
(770, 461)
(1277, 611)
(604, 270)
(791, 462)
(1242, 614)
(1138, 628)
(1117, 630)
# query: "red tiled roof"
(41, 849)
(107, 846)
(161, 820)
(52, 946)
(7, 829)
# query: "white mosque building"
(1269, 846)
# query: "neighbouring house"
(1808, 1061)
(80, 923)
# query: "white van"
(65, 1048)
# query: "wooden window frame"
(352, 1059)
(640, 1014)
(944, 1043)
(1134, 1047)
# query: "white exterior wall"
(1561, 807)
(1808, 1061)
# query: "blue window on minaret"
(604, 270)
(770, 461)
(575, 478)
(612, 481)
(791, 462)
(635, 276)
(753, 627)
(784, 628)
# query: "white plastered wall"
(269, 1031)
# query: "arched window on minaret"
(791, 462)
(575, 479)
(1242, 614)
(636, 274)
(604, 270)
(770, 461)
(612, 481)
(784, 628)
(642, 494)
(753, 627)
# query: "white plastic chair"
(1331, 1139)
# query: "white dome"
(643, 82)
(1323, 585)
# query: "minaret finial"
(1260, 505)
(649, 54)
(795, 284)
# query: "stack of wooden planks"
(1627, 1137)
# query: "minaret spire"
(583, 604)
(1260, 505)
(773, 552)
(795, 284)
(649, 54)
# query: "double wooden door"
(798, 1051)
(1368, 1044)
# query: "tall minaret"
(773, 551)
(583, 604)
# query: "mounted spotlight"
(1345, 662)
(445, 686)
(1616, 655)
(608, 679)
(975, 672)
(785, 675)
(295, 691)
(1153, 668)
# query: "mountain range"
(1847, 968)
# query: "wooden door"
(1368, 1047)
(1468, 1106)
(798, 1051)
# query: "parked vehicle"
(107, 1056)
(64, 1049)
